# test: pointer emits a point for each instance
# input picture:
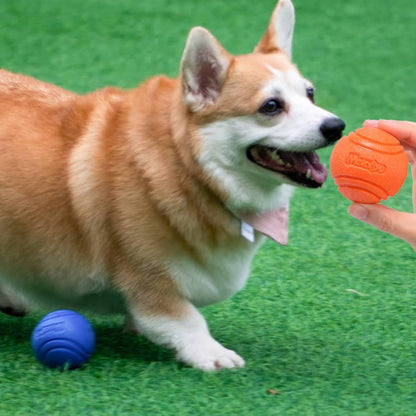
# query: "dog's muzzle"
(300, 168)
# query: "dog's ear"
(279, 33)
(204, 67)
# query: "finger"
(405, 131)
(399, 224)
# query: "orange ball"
(368, 165)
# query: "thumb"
(399, 224)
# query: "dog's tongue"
(273, 224)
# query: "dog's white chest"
(223, 272)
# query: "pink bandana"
(273, 224)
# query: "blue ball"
(63, 339)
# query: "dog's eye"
(310, 93)
(272, 107)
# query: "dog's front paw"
(210, 356)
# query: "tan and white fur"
(132, 201)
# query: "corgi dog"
(152, 202)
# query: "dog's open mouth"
(303, 168)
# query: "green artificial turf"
(328, 322)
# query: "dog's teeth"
(289, 165)
(309, 174)
(255, 152)
(276, 158)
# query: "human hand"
(399, 224)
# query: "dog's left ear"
(279, 33)
(204, 67)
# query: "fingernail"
(358, 211)
(371, 123)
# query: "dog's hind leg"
(11, 304)
(129, 326)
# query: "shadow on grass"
(15, 332)
(114, 344)
(263, 348)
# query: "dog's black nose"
(332, 129)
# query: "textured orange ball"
(368, 165)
